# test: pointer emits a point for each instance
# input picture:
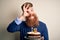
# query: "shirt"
(19, 25)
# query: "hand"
(25, 8)
(42, 38)
(25, 13)
(22, 17)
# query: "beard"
(32, 20)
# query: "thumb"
(42, 38)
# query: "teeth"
(32, 17)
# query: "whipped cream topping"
(33, 32)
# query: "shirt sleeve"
(18, 21)
(14, 25)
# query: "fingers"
(26, 6)
(42, 38)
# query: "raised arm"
(14, 26)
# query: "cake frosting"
(33, 33)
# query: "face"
(32, 19)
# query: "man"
(31, 21)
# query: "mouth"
(32, 17)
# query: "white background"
(48, 11)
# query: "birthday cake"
(34, 35)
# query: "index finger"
(27, 6)
(24, 6)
